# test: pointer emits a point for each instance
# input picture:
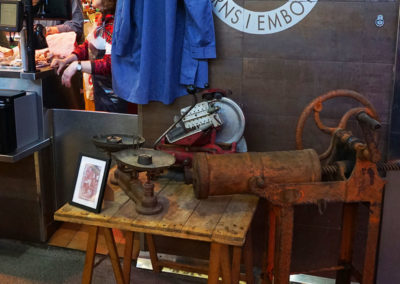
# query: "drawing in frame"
(90, 182)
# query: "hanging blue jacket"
(159, 47)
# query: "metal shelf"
(17, 72)
(25, 151)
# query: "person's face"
(97, 4)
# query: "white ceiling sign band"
(267, 22)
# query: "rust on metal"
(238, 173)
(317, 105)
(130, 163)
(283, 244)
(347, 242)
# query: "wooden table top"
(222, 219)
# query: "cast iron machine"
(347, 172)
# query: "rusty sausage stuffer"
(231, 174)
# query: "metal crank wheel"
(316, 106)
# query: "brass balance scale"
(133, 161)
(110, 143)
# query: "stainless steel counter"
(16, 72)
(51, 94)
(25, 151)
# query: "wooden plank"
(125, 220)
(206, 216)
(127, 216)
(131, 220)
(77, 215)
(235, 222)
(184, 216)
(127, 211)
(181, 203)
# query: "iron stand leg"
(372, 243)
(347, 242)
(283, 244)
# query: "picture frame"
(90, 182)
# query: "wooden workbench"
(221, 221)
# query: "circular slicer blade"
(233, 121)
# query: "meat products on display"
(61, 44)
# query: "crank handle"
(365, 118)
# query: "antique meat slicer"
(213, 126)
(347, 172)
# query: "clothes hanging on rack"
(160, 47)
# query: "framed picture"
(91, 179)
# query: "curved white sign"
(268, 22)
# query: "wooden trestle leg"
(126, 269)
(112, 251)
(236, 258)
(90, 254)
(214, 263)
(219, 264)
(131, 253)
(225, 265)
(153, 253)
(248, 258)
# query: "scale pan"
(117, 142)
(130, 157)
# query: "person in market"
(58, 26)
(94, 57)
